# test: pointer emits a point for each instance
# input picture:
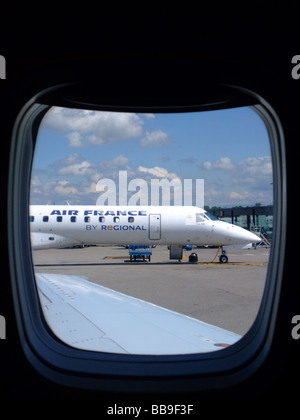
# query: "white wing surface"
(92, 317)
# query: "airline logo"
(99, 213)
(115, 227)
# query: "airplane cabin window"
(174, 218)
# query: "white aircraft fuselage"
(61, 226)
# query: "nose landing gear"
(223, 259)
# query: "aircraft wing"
(92, 317)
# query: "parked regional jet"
(176, 226)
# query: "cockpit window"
(200, 217)
(210, 216)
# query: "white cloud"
(149, 116)
(256, 168)
(213, 192)
(207, 165)
(243, 183)
(81, 168)
(158, 172)
(240, 196)
(93, 127)
(224, 163)
(63, 189)
(75, 139)
(119, 161)
(91, 188)
(252, 170)
(74, 179)
(69, 160)
(154, 139)
(35, 182)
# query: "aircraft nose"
(245, 236)
(253, 238)
(237, 235)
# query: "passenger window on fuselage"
(127, 165)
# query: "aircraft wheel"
(223, 259)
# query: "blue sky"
(229, 149)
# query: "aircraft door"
(154, 226)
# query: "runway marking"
(115, 257)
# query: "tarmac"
(226, 295)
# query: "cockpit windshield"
(210, 216)
(202, 217)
